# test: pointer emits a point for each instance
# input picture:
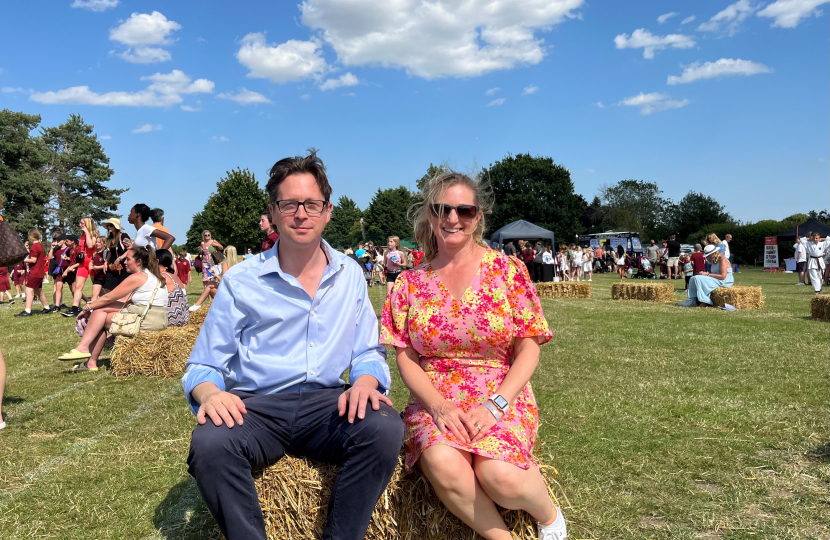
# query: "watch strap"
(496, 403)
(493, 410)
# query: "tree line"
(51, 177)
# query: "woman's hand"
(448, 417)
(481, 417)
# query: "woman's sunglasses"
(463, 211)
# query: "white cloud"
(665, 17)
(141, 30)
(245, 97)
(144, 29)
(496, 102)
(350, 94)
(729, 20)
(145, 55)
(94, 5)
(11, 90)
(688, 19)
(492, 91)
(530, 90)
(440, 38)
(165, 90)
(290, 61)
(347, 79)
(600, 104)
(789, 13)
(105, 137)
(643, 39)
(147, 128)
(220, 139)
(590, 170)
(305, 96)
(188, 108)
(653, 102)
(725, 67)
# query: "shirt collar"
(271, 264)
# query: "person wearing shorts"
(34, 282)
(393, 262)
(674, 248)
(98, 268)
(84, 252)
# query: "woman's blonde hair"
(715, 256)
(34, 235)
(90, 226)
(434, 192)
(397, 241)
(713, 238)
(230, 256)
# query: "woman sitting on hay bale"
(702, 285)
(178, 313)
(143, 288)
(467, 326)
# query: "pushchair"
(644, 268)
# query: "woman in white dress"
(577, 263)
(588, 264)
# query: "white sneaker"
(556, 530)
(801, 284)
(2, 425)
(195, 307)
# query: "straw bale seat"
(294, 495)
(820, 307)
(157, 354)
(740, 297)
(644, 292)
(564, 289)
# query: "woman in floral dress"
(467, 325)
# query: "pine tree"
(78, 169)
(339, 232)
(24, 191)
(387, 215)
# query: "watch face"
(500, 402)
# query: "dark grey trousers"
(302, 424)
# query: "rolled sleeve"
(217, 344)
(368, 356)
(195, 375)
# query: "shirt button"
(311, 344)
(312, 373)
(313, 314)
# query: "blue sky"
(732, 103)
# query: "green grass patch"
(663, 422)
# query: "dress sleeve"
(528, 318)
(394, 319)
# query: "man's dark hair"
(165, 259)
(671, 237)
(157, 215)
(310, 164)
(143, 210)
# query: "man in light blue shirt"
(264, 376)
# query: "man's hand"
(354, 399)
(221, 407)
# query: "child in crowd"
(577, 262)
(562, 261)
(5, 285)
(588, 263)
(688, 269)
(20, 280)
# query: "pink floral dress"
(466, 349)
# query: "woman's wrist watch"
(499, 401)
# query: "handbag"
(128, 324)
(217, 256)
(12, 250)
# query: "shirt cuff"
(378, 370)
(196, 375)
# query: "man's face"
(264, 224)
(652, 242)
(300, 228)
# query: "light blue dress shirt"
(264, 333)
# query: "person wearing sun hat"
(116, 247)
(720, 275)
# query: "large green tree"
(231, 213)
(694, 211)
(24, 191)
(432, 171)
(79, 170)
(340, 232)
(535, 189)
(635, 205)
(386, 215)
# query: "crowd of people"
(812, 255)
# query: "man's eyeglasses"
(313, 207)
(464, 211)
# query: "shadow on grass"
(821, 453)
(12, 400)
(182, 515)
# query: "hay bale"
(564, 289)
(294, 495)
(644, 292)
(820, 307)
(156, 354)
(740, 297)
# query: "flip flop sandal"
(73, 356)
(81, 368)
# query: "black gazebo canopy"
(811, 225)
